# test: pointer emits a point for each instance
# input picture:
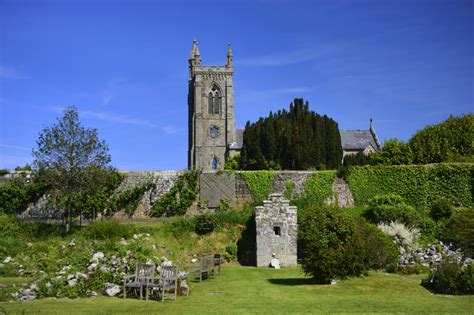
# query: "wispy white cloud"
(10, 73)
(14, 147)
(116, 118)
(277, 60)
(107, 96)
(109, 93)
(110, 117)
(172, 130)
(271, 92)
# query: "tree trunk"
(67, 226)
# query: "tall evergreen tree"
(294, 139)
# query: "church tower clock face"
(214, 132)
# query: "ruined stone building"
(276, 229)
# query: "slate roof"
(350, 139)
(358, 139)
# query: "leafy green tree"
(232, 163)
(393, 152)
(449, 141)
(99, 185)
(63, 154)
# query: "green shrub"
(231, 217)
(322, 235)
(368, 248)
(402, 213)
(336, 245)
(389, 199)
(419, 185)
(205, 223)
(182, 225)
(450, 278)
(224, 205)
(230, 252)
(106, 230)
(441, 210)
(4, 172)
(460, 230)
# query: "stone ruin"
(276, 228)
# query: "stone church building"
(213, 137)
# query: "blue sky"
(123, 64)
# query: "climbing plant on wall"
(317, 189)
(180, 197)
(259, 183)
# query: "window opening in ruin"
(277, 230)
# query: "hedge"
(419, 185)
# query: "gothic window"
(215, 101)
(214, 132)
(214, 163)
(211, 103)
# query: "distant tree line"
(295, 140)
(449, 141)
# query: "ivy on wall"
(259, 183)
(129, 199)
(316, 190)
(419, 185)
(180, 197)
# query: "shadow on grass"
(292, 281)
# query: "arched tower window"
(214, 163)
(211, 103)
(215, 100)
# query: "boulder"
(98, 257)
(112, 289)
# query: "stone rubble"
(432, 255)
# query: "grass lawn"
(260, 290)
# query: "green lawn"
(260, 290)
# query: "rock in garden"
(91, 293)
(7, 260)
(72, 243)
(97, 257)
(184, 288)
(112, 289)
(92, 267)
(194, 260)
(72, 282)
(1, 266)
(80, 275)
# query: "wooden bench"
(206, 267)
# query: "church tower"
(211, 120)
